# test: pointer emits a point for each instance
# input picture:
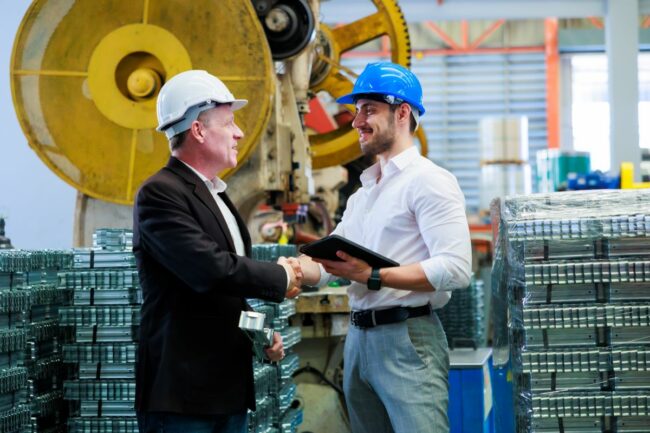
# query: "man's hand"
(310, 270)
(350, 268)
(276, 351)
(293, 267)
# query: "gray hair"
(177, 140)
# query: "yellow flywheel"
(342, 145)
(85, 76)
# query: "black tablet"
(327, 247)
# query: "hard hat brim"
(351, 98)
(347, 99)
(238, 103)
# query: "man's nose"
(357, 121)
(239, 134)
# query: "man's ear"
(196, 130)
(404, 113)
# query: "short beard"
(380, 143)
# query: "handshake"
(301, 270)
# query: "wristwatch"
(374, 282)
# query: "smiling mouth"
(364, 133)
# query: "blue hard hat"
(387, 79)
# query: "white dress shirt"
(414, 214)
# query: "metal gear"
(342, 145)
(85, 76)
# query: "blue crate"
(470, 391)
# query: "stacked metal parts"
(104, 318)
(571, 308)
(275, 390)
(31, 368)
(463, 318)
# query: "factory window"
(590, 106)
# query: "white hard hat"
(186, 95)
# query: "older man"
(192, 249)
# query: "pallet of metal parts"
(463, 317)
(272, 252)
(103, 425)
(572, 310)
(113, 239)
(275, 393)
(93, 258)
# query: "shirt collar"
(397, 163)
(215, 183)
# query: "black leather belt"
(371, 318)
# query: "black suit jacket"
(192, 357)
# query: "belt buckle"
(357, 316)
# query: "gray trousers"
(396, 377)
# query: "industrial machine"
(85, 76)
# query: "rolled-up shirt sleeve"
(439, 209)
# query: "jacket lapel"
(243, 229)
(202, 193)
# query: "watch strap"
(374, 282)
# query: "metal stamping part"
(107, 315)
(96, 258)
(106, 352)
(108, 296)
(99, 390)
(106, 334)
(582, 381)
(251, 320)
(103, 425)
(585, 404)
(92, 408)
(106, 371)
(99, 279)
